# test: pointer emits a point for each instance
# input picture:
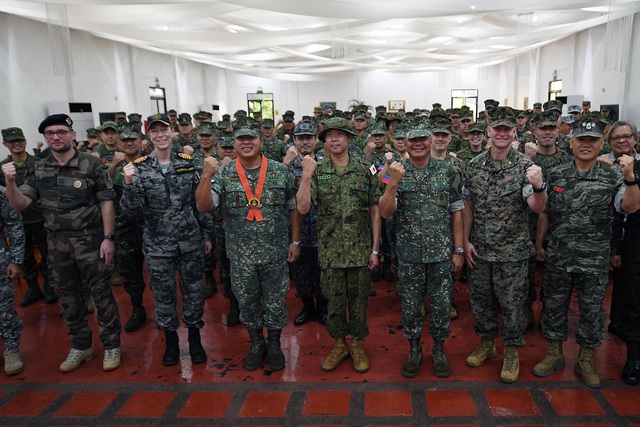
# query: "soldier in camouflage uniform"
(306, 270)
(347, 193)
(257, 200)
(578, 217)
(35, 233)
(186, 133)
(273, 148)
(476, 133)
(11, 257)
(109, 136)
(161, 187)
(360, 126)
(129, 228)
(284, 132)
(76, 195)
(497, 187)
(425, 195)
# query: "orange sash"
(253, 201)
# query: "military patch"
(373, 169)
(185, 169)
(185, 156)
(558, 189)
(140, 159)
(105, 161)
(323, 177)
(439, 178)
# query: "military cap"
(439, 112)
(288, 116)
(400, 130)
(12, 134)
(554, 104)
(588, 127)
(603, 109)
(381, 109)
(586, 103)
(309, 119)
(93, 133)
(224, 124)
(184, 119)
(477, 127)
(304, 128)
(547, 118)
(490, 103)
(159, 118)
(203, 115)
(110, 125)
(440, 125)
(54, 120)
(317, 109)
(128, 131)
(336, 123)
(246, 126)
(135, 118)
(226, 117)
(206, 128)
(503, 116)
(574, 109)
(324, 117)
(436, 105)
(568, 119)
(379, 128)
(239, 113)
(409, 114)
(520, 113)
(226, 142)
(267, 123)
(537, 105)
(172, 113)
(360, 116)
(418, 129)
(466, 113)
(121, 115)
(395, 116)
(455, 112)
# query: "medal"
(253, 200)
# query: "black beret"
(54, 120)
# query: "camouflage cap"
(537, 105)
(304, 128)
(547, 118)
(455, 112)
(184, 119)
(503, 116)
(439, 112)
(203, 115)
(246, 126)
(379, 128)
(309, 119)
(12, 134)
(603, 109)
(381, 109)
(172, 112)
(159, 118)
(588, 127)
(360, 116)
(317, 109)
(466, 113)
(586, 103)
(267, 123)
(400, 130)
(440, 125)
(121, 115)
(554, 104)
(436, 105)
(520, 114)
(128, 131)
(336, 123)
(477, 127)
(110, 125)
(239, 113)
(135, 118)
(574, 109)
(288, 116)
(224, 124)
(490, 103)
(568, 119)
(206, 128)
(225, 142)
(418, 129)
(226, 117)
(93, 133)
(55, 120)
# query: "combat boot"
(12, 362)
(553, 361)
(274, 353)
(510, 365)
(631, 370)
(359, 357)
(75, 359)
(50, 296)
(258, 351)
(307, 313)
(196, 351)
(338, 354)
(440, 365)
(486, 350)
(171, 354)
(584, 367)
(412, 365)
(137, 319)
(233, 317)
(210, 285)
(33, 294)
(321, 305)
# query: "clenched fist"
(534, 176)
(396, 172)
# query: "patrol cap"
(309, 119)
(184, 119)
(239, 113)
(225, 142)
(603, 109)
(455, 112)
(554, 104)
(574, 109)
(440, 125)
(110, 125)
(521, 113)
(128, 131)
(224, 124)
(490, 103)
(288, 116)
(206, 128)
(438, 112)
(588, 127)
(335, 123)
(172, 113)
(226, 117)
(418, 129)
(304, 128)
(466, 114)
(203, 115)
(246, 126)
(12, 134)
(93, 133)
(267, 123)
(135, 118)
(360, 116)
(400, 130)
(547, 118)
(159, 118)
(436, 105)
(477, 127)
(568, 119)
(381, 109)
(586, 103)
(503, 116)
(317, 109)
(121, 115)
(537, 105)
(380, 128)
(55, 120)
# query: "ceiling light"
(380, 58)
(249, 65)
(534, 19)
(231, 30)
(472, 7)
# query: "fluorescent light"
(378, 57)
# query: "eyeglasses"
(619, 138)
(58, 133)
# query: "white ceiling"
(312, 40)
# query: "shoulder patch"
(140, 159)
(185, 156)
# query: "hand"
(396, 172)
(469, 253)
(540, 252)
(210, 167)
(457, 261)
(39, 144)
(13, 271)
(515, 145)
(388, 156)
(118, 157)
(293, 253)
(95, 154)
(207, 247)
(605, 160)
(374, 261)
(626, 166)
(530, 149)
(286, 138)
(187, 149)
(106, 251)
(534, 176)
(309, 165)
(9, 171)
(370, 147)
(129, 171)
(291, 155)
(615, 261)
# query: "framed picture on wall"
(396, 105)
(328, 106)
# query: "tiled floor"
(222, 393)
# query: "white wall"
(114, 77)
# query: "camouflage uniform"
(105, 154)
(173, 237)
(500, 236)
(387, 246)
(466, 155)
(359, 141)
(210, 263)
(580, 209)
(257, 249)
(425, 200)
(12, 253)
(274, 149)
(70, 197)
(344, 242)
(181, 141)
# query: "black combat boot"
(321, 305)
(631, 370)
(171, 354)
(137, 319)
(233, 317)
(412, 365)
(376, 276)
(50, 296)
(258, 351)
(274, 353)
(440, 365)
(195, 347)
(210, 285)
(308, 312)
(33, 294)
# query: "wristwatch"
(634, 182)
(542, 188)
(459, 250)
(297, 243)
(375, 252)
(109, 237)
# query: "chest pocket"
(274, 193)
(359, 193)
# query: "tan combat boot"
(338, 354)
(360, 359)
(510, 365)
(486, 350)
(584, 367)
(553, 361)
